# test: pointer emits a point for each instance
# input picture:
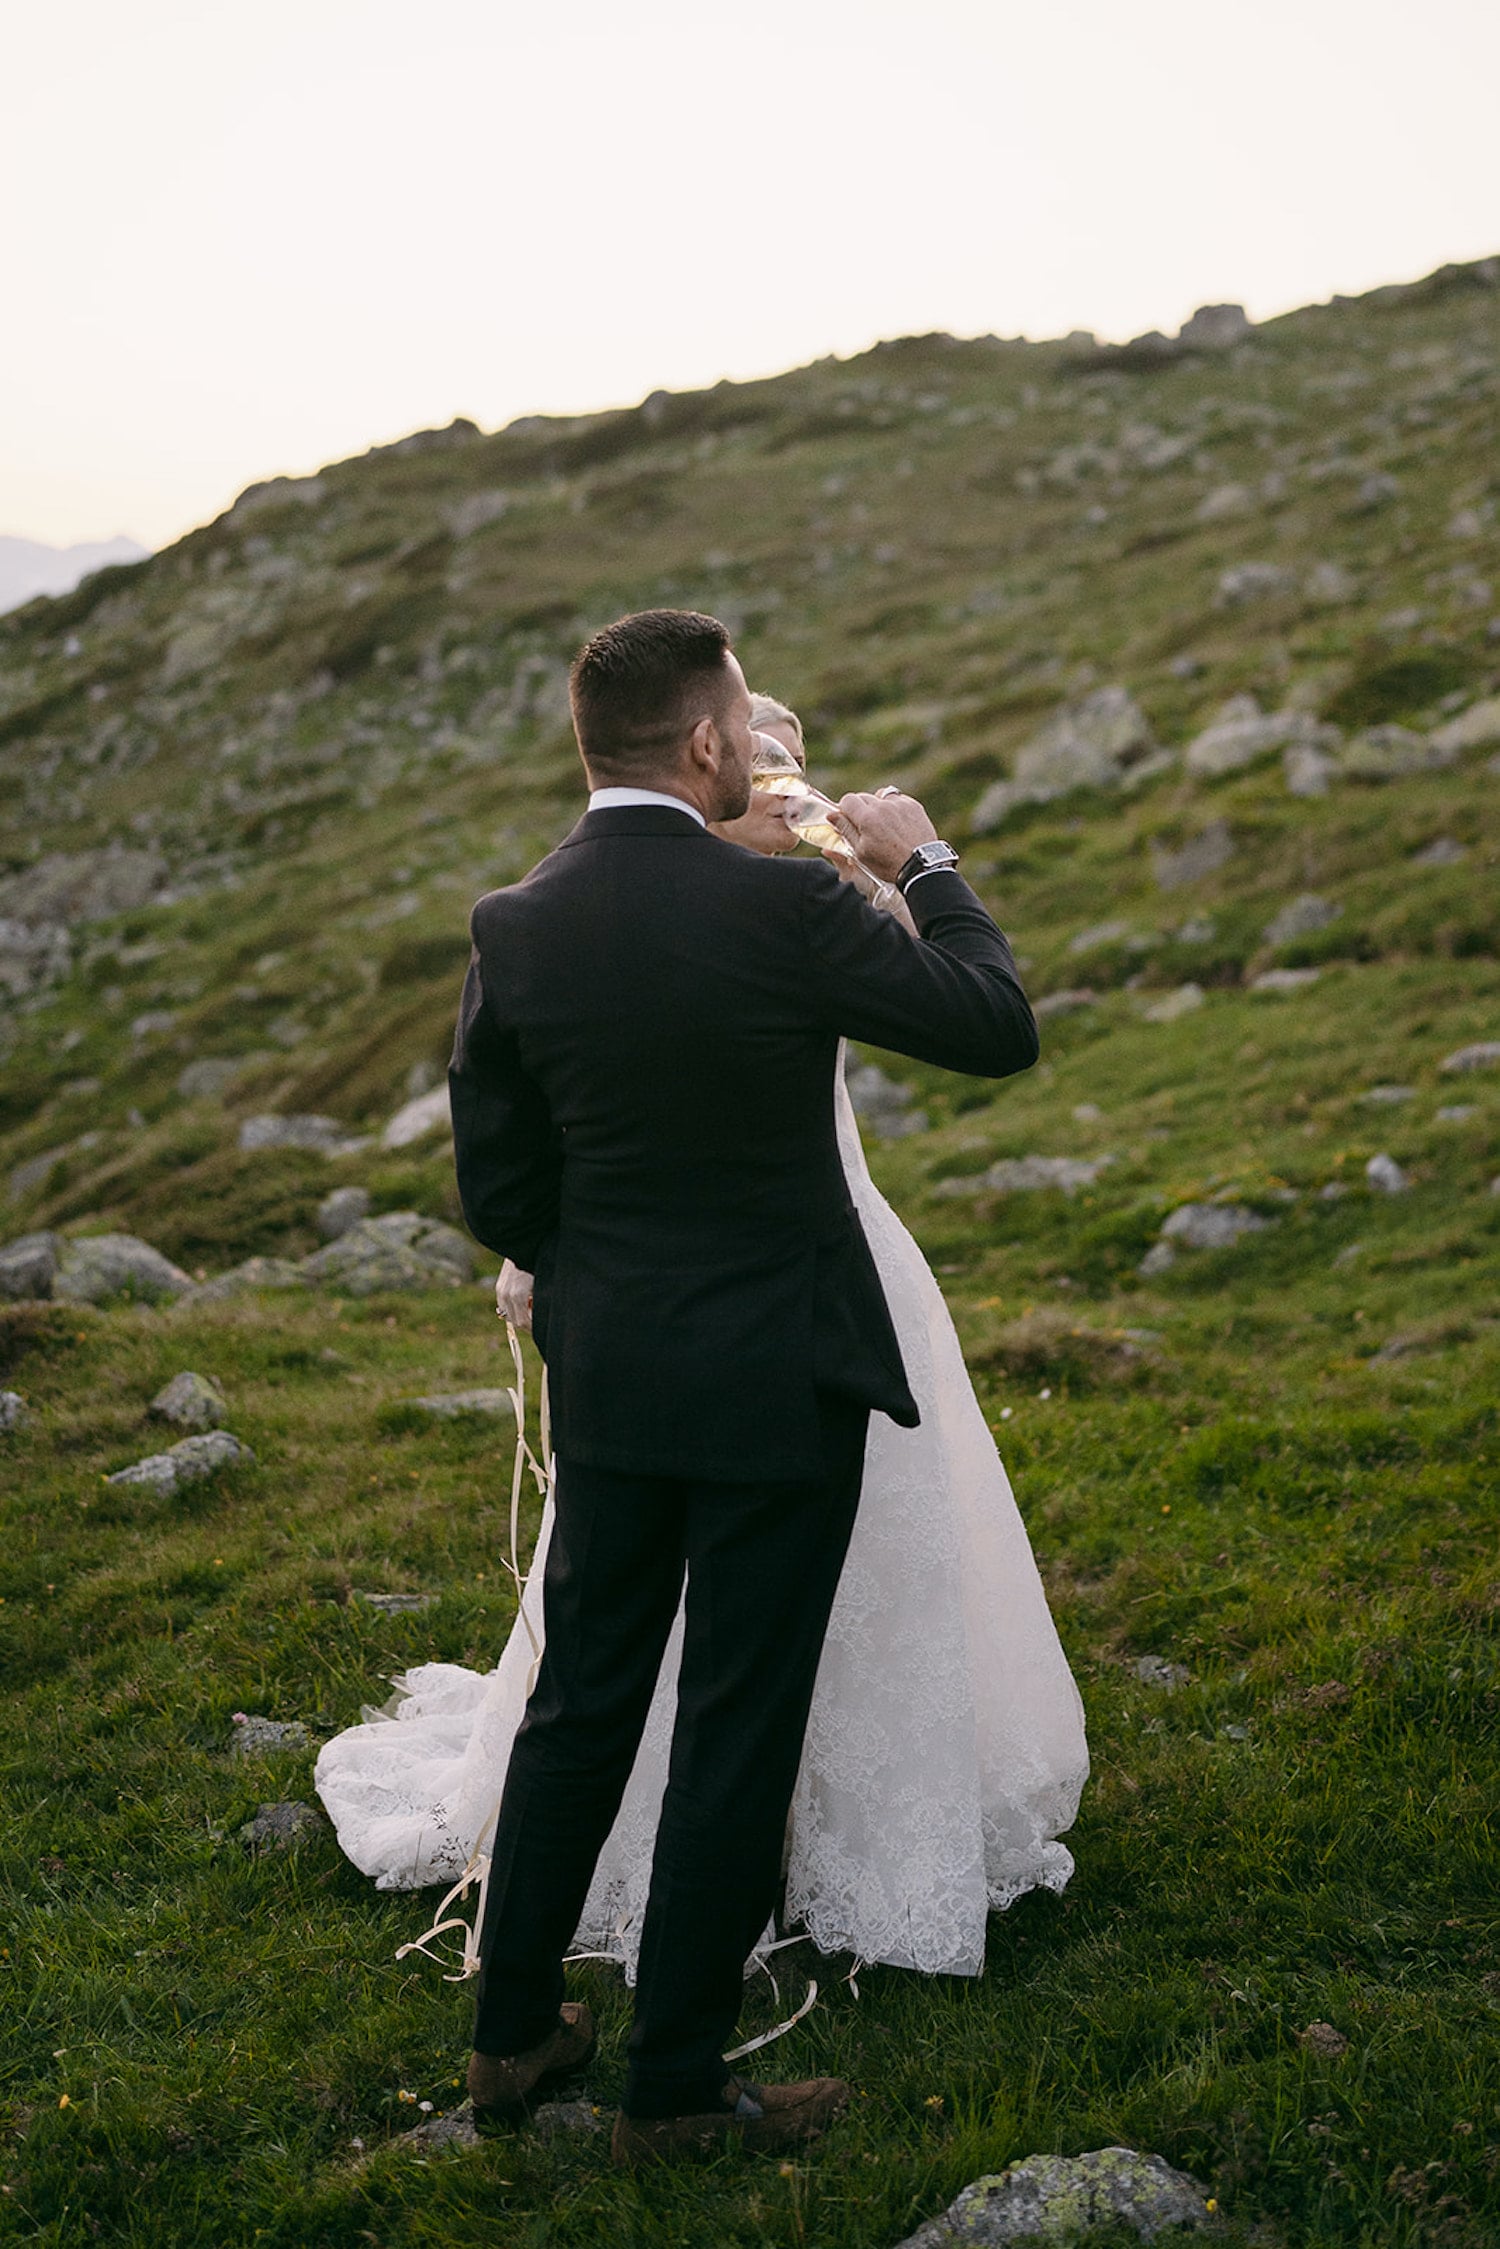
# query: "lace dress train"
(945, 1753)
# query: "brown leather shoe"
(763, 2119)
(505, 2090)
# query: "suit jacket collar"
(634, 820)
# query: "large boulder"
(402, 1250)
(28, 1265)
(184, 1463)
(1242, 732)
(1063, 2198)
(192, 1401)
(341, 1208)
(97, 1267)
(1092, 744)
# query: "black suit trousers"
(762, 1563)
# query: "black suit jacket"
(643, 1115)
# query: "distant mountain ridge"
(29, 567)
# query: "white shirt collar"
(615, 800)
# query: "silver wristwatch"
(927, 859)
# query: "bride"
(945, 1753)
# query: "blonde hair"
(766, 711)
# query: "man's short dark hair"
(641, 685)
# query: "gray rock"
(1175, 1005)
(1203, 854)
(398, 1604)
(97, 1267)
(427, 1113)
(1091, 744)
(1473, 729)
(1284, 979)
(402, 1250)
(565, 2119)
(255, 1272)
(455, 2129)
(208, 1079)
(1375, 491)
(883, 1103)
(1215, 328)
(1016, 1175)
(28, 1265)
(279, 1827)
(263, 1737)
(1455, 1112)
(184, 1463)
(1242, 732)
(1388, 1096)
(1333, 1191)
(1386, 1176)
(1062, 1003)
(1390, 753)
(155, 1022)
(1099, 933)
(1211, 1225)
(34, 1172)
(1308, 772)
(69, 887)
(1155, 1671)
(1329, 584)
(1060, 2199)
(1199, 930)
(1253, 581)
(1159, 1258)
(325, 1135)
(1483, 1055)
(1301, 917)
(456, 1405)
(1442, 852)
(1223, 501)
(14, 1412)
(342, 1208)
(193, 1401)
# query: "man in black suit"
(643, 1110)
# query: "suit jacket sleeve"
(507, 1150)
(954, 998)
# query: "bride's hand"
(513, 1296)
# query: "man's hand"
(513, 1296)
(762, 828)
(884, 830)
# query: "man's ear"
(705, 746)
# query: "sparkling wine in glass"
(775, 772)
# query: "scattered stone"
(1456, 1112)
(1473, 729)
(402, 1250)
(1253, 581)
(1284, 979)
(14, 1412)
(884, 1104)
(1215, 328)
(1301, 917)
(1015, 1175)
(1483, 1055)
(1389, 1096)
(1333, 1191)
(415, 1119)
(1175, 1005)
(1100, 933)
(263, 1737)
(342, 1208)
(1306, 770)
(209, 1079)
(1375, 491)
(556, 2119)
(1198, 930)
(1155, 1671)
(69, 887)
(1329, 584)
(191, 1400)
(155, 1022)
(1159, 1258)
(1062, 1003)
(26, 1177)
(325, 1135)
(280, 1827)
(1088, 745)
(255, 1272)
(456, 2129)
(1385, 1174)
(1061, 2198)
(1349, 1253)
(1203, 854)
(1443, 852)
(185, 1463)
(455, 1405)
(1390, 753)
(399, 1604)
(97, 1267)
(1211, 1225)
(28, 1265)
(1224, 501)
(1242, 732)
(1323, 2040)
(1087, 1112)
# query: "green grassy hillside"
(249, 789)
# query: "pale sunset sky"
(243, 240)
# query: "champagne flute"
(775, 772)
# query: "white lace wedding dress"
(945, 1752)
